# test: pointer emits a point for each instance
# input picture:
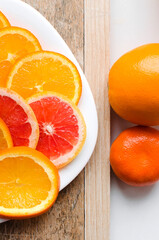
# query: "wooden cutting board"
(82, 209)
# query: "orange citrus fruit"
(5, 136)
(62, 127)
(134, 156)
(3, 21)
(134, 85)
(15, 43)
(29, 183)
(45, 71)
(19, 118)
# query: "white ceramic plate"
(134, 211)
(22, 15)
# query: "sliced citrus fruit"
(3, 21)
(19, 118)
(62, 127)
(5, 136)
(15, 43)
(45, 71)
(29, 183)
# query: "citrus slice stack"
(15, 43)
(62, 127)
(5, 137)
(29, 179)
(29, 183)
(3, 21)
(19, 118)
(45, 71)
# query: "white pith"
(48, 128)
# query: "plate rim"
(39, 15)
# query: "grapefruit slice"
(19, 118)
(5, 137)
(3, 21)
(45, 71)
(62, 127)
(29, 183)
(15, 43)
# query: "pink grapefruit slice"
(19, 118)
(62, 127)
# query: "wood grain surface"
(82, 208)
(97, 173)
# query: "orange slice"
(19, 118)
(15, 43)
(3, 21)
(29, 183)
(62, 127)
(5, 137)
(45, 71)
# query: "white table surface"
(134, 211)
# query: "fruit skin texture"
(134, 85)
(49, 168)
(134, 156)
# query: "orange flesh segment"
(3, 21)
(13, 46)
(1, 24)
(29, 183)
(5, 67)
(14, 43)
(45, 71)
(23, 183)
(5, 136)
(44, 77)
(3, 142)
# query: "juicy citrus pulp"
(19, 118)
(5, 137)
(29, 183)
(62, 127)
(45, 71)
(3, 21)
(15, 43)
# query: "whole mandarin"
(134, 85)
(134, 156)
